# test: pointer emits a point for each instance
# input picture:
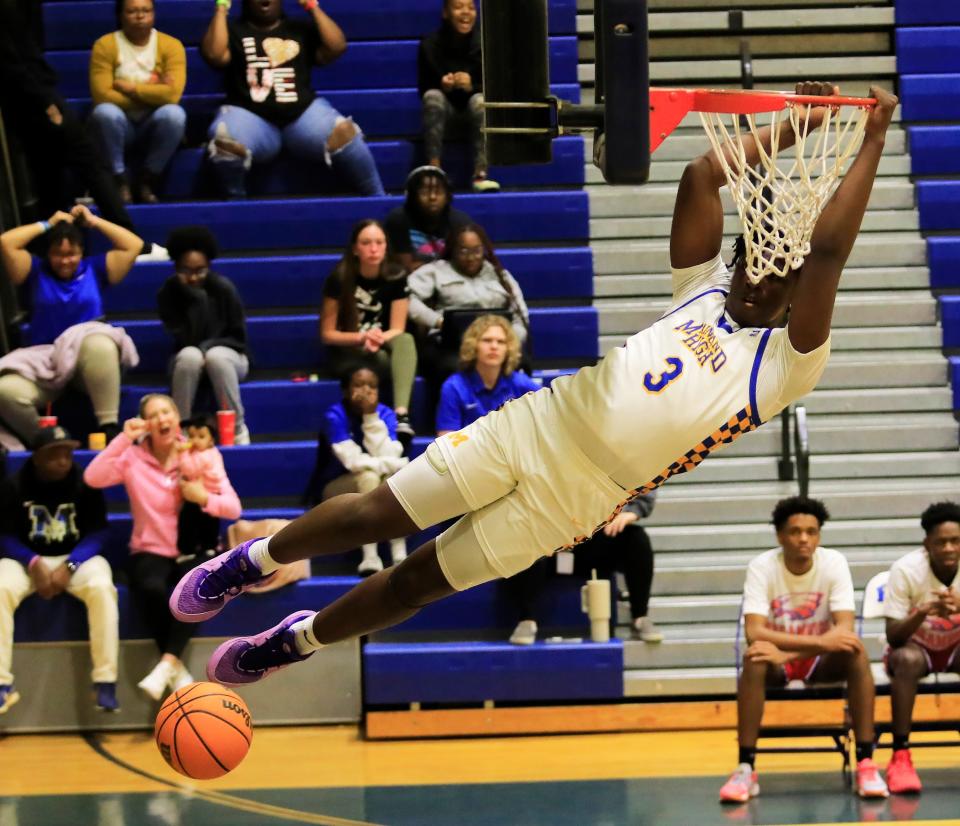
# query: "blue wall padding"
(473, 672)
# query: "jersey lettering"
(658, 385)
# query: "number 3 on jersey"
(657, 385)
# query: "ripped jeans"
(306, 139)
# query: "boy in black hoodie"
(53, 527)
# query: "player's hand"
(616, 525)
(447, 82)
(42, 579)
(55, 115)
(193, 491)
(134, 428)
(83, 217)
(839, 639)
(882, 113)
(60, 217)
(462, 80)
(816, 88)
(60, 577)
(947, 603)
(763, 651)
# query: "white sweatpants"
(93, 585)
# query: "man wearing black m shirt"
(53, 527)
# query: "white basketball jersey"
(684, 387)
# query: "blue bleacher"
(934, 150)
(939, 205)
(926, 12)
(930, 97)
(373, 65)
(928, 49)
(544, 273)
(326, 222)
(398, 112)
(189, 177)
(78, 23)
(944, 261)
(288, 247)
(950, 319)
(292, 342)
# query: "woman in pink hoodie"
(145, 460)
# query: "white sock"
(370, 551)
(305, 640)
(260, 556)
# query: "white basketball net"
(781, 198)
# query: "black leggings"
(630, 551)
(152, 579)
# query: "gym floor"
(328, 775)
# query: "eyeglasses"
(470, 252)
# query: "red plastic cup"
(227, 426)
(48, 421)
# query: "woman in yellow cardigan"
(137, 75)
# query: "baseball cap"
(52, 436)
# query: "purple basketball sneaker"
(202, 592)
(245, 660)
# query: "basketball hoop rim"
(748, 101)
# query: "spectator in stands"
(53, 529)
(144, 458)
(50, 135)
(417, 231)
(271, 104)
(64, 292)
(202, 310)
(488, 375)
(623, 545)
(467, 276)
(922, 607)
(364, 316)
(450, 80)
(798, 620)
(361, 434)
(137, 75)
(199, 532)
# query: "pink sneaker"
(741, 786)
(869, 781)
(902, 777)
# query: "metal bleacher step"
(657, 199)
(884, 465)
(871, 250)
(900, 307)
(898, 220)
(751, 501)
(669, 682)
(712, 71)
(878, 400)
(721, 572)
(839, 532)
(647, 285)
(845, 339)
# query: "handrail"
(801, 448)
(785, 463)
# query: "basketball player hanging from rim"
(549, 468)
